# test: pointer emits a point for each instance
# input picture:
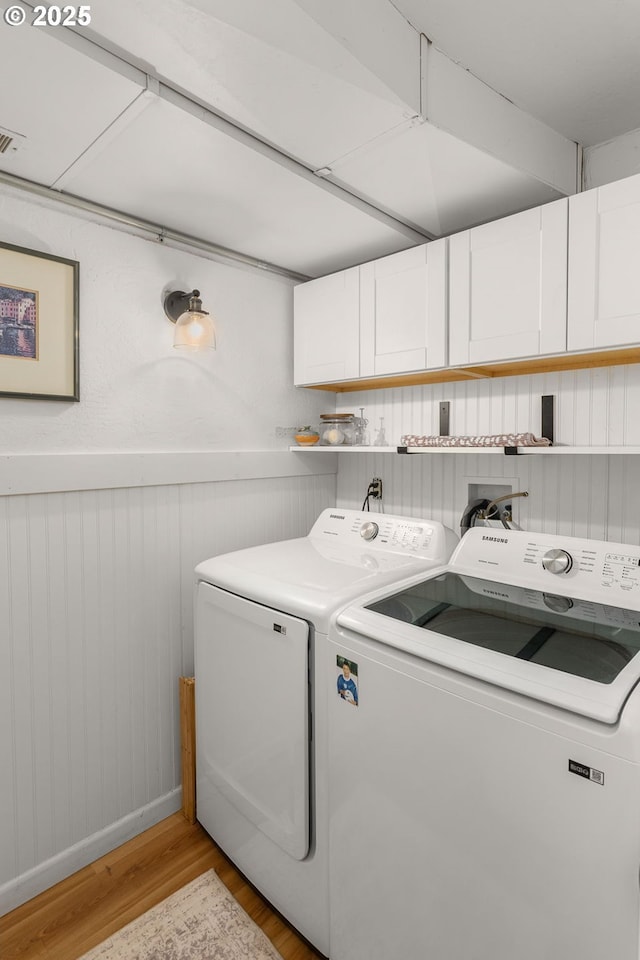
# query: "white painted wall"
(105, 508)
(137, 392)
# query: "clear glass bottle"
(381, 438)
(362, 434)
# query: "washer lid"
(307, 577)
(575, 654)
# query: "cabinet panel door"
(326, 329)
(403, 311)
(508, 287)
(604, 279)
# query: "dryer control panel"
(417, 537)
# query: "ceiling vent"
(10, 141)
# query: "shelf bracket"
(444, 418)
(547, 417)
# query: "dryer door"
(252, 713)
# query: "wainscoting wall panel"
(585, 496)
(96, 594)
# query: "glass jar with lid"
(337, 429)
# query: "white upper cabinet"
(403, 301)
(326, 329)
(604, 273)
(508, 287)
(385, 317)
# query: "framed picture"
(38, 325)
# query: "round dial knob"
(557, 561)
(557, 604)
(369, 530)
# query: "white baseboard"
(63, 864)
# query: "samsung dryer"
(261, 663)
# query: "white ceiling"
(573, 64)
(315, 134)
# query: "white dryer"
(261, 665)
(485, 796)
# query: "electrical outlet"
(376, 489)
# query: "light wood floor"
(68, 919)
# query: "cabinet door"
(403, 302)
(508, 287)
(604, 278)
(326, 329)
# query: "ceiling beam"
(454, 100)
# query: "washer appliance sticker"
(347, 680)
(589, 773)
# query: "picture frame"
(39, 325)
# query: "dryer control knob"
(557, 561)
(369, 530)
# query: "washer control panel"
(552, 564)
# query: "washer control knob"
(369, 530)
(557, 604)
(557, 561)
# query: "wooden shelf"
(521, 451)
(510, 368)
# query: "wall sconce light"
(194, 327)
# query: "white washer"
(261, 662)
(485, 795)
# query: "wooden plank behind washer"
(188, 746)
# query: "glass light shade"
(194, 331)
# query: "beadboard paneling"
(590, 496)
(593, 407)
(95, 620)
(583, 496)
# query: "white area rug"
(201, 921)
